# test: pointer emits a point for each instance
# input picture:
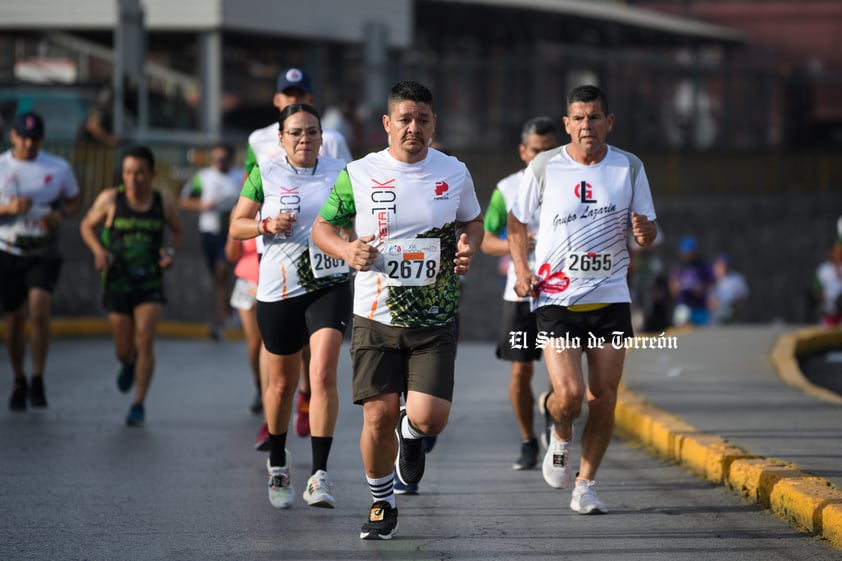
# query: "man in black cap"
(37, 192)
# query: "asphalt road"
(76, 484)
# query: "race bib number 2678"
(412, 261)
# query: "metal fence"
(97, 167)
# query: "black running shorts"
(19, 274)
(518, 332)
(286, 325)
(558, 321)
(124, 302)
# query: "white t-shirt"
(508, 188)
(585, 211)
(727, 291)
(412, 210)
(831, 286)
(288, 267)
(264, 143)
(45, 180)
(213, 186)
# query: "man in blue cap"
(37, 192)
(293, 86)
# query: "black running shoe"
(548, 421)
(37, 398)
(125, 377)
(528, 455)
(136, 416)
(382, 522)
(19, 392)
(401, 489)
(411, 456)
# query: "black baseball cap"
(28, 125)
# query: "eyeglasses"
(296, 134)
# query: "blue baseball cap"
(294, 78)
(687, 244)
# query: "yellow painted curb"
(790, 346)
(809, 503)
(706, 455)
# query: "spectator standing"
(690, 285)
(729, 293)
(828, 288)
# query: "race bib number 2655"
(581, 264)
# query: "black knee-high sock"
(321, 450)
(277, 449)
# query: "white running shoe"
(556, 467)
(319, 490)
(584, 499)
(281, 493)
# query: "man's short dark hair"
(588, 94)
(539, 125)
(142, 153)
(408, 90)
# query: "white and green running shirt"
(211, 185)
(292, 265)
(496, 215)
(412, 210)
(582, 255)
